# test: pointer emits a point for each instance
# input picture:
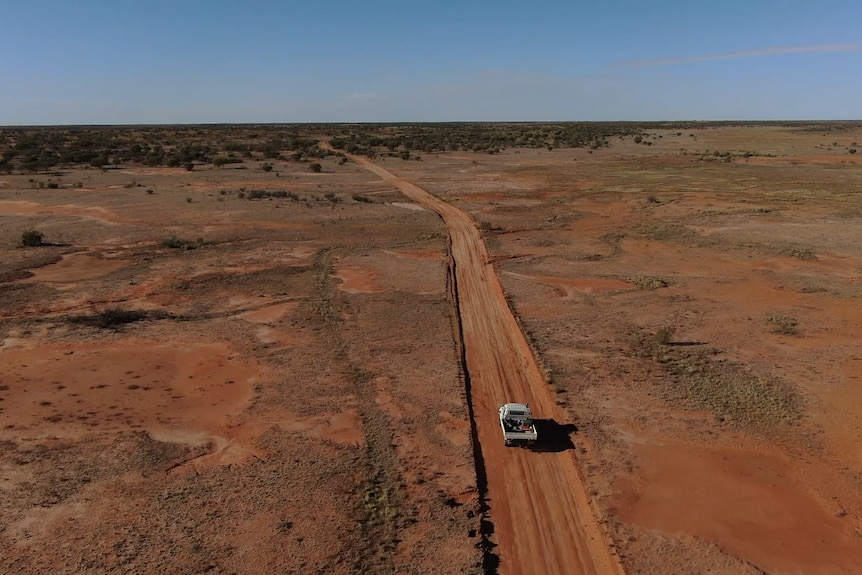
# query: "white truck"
(517, 423)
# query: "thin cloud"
(819, 49)
(363, 96)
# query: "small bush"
(665, 335)
(801, 253)
(219, 161)
(315, 167)
(783, 324)
(176, 243)
(647, 282)
(32, 239)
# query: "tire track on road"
(542, 517)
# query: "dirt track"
(539, 507)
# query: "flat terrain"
(539, 507)
(197, 378)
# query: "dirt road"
(539, 507)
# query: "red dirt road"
(539, 507)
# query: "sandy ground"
(292, 397)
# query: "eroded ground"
(286, 396)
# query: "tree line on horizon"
(40, 149)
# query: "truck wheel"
(508, 443)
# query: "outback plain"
(239, 349)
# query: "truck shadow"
(553, 436)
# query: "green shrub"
(219, 161)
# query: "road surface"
(538, 504)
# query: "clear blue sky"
(213, 61)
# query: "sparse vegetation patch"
(670, 231)
(782, 324)
(647, 282)
(800, 253)
(732, 392)
(264, 194)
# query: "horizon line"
(396, 122)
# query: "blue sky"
(213, 61)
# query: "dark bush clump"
(176, 243)
(114, 318)
(32, 239)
